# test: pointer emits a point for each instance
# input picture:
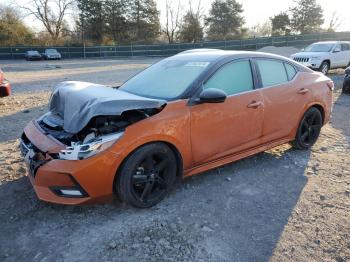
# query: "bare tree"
(50, 13)
(191, 28)
(334, 23)
(173, 19)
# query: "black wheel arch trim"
(173, 148)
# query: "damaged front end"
(98, 135)
(85, 119)
(33, 156)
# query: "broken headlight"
(79, 151)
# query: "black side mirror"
(347, 71)
(212, 95)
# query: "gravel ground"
(280, 205)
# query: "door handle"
(303, 91)
(255, 104)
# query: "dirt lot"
(280, 205)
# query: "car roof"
(331, 42)
(217, 55)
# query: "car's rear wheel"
(147, 175)
(309, 129)
(324, 68)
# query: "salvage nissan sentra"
(184, 115)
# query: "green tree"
(91, 20)
(225, 20)
(191, 29)
(307, 16)
(12, 30)
(143, 20)
(281, 24)
(116, 23)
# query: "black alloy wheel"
(309, 129)
(147, 175)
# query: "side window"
(272, 72)
(291, 72)
(233, 78)
(345, 47)
(337, 48)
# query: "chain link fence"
(17, 52)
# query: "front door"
(222, 129)
(338, 58)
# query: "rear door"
(283, 99)
(222, 129)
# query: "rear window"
(272, 72)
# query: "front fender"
(171, 125)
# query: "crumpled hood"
(76, 103)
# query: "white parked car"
(51, 54)
(323, 56)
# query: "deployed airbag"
(78, 102)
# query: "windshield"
(167, 79)
(33, 52)
(319, 48)
(50, 51)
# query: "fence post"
(84, 51)
(132, 51)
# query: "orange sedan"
(184, 115)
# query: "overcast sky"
(255, 11)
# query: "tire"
(309, 129)
(324, 67)
(146, 176)
(346, 89)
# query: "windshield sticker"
(198, 64)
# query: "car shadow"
(340, 115)
(237, 211)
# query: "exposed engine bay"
(98, 126)
(88, 118)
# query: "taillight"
(330, 85)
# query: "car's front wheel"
(309, 129)
(324, 68)
(147, 175)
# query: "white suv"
(323, 56)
